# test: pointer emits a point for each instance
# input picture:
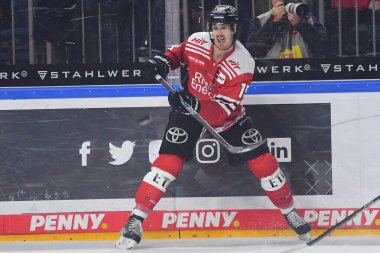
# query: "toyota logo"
(251, 136)
(176, 135)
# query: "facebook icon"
(84, 151)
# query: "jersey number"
(244, 88)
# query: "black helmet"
(223, 14)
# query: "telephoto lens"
(301, 10)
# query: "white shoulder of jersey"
(201, 39)
(243, 59)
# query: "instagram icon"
(208, 151)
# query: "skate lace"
(294, 219)
(133, 225)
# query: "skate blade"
(305, 237)
(125, 243)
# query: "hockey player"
(220, 70)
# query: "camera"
(298, 9)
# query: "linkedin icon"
(281, 148)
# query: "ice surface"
(367, 244)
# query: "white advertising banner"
(72, 158)
(354, 146)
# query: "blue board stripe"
(341, 86)
(50, 92)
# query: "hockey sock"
(164, 170)
(273, 181)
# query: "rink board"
(325, 135)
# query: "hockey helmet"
(223, 14)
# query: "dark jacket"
(268, 38)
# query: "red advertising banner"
(180, 220)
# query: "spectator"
(279, 34)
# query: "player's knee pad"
(273, 182)
(263, 166)
(164, 170)
(159, 179)
(277, 189)
(152, 189)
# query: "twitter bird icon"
(123, 154)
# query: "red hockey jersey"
(219, 86)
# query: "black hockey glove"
(175, 102)
(161, 63)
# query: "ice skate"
(131, 233)
(298, 225)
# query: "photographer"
(288, 30)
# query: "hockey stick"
(348, 218)
(220, 139)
